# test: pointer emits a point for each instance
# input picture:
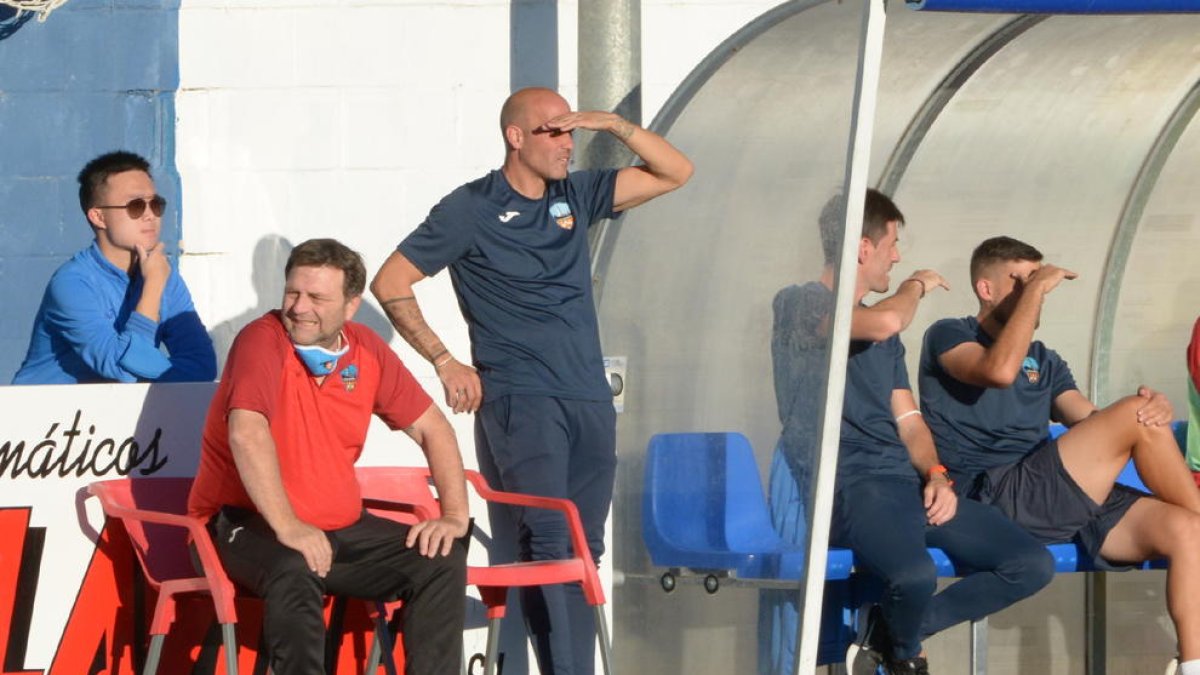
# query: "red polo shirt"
(319, 429)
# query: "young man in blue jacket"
(109, 309)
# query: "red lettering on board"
(103, 612)
(14, 523)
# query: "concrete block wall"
(352, 119)
(272, 121)
(100, 75)
(294, 118)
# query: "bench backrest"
(703, 493)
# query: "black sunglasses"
(136, 207)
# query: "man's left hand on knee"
(435, 537)
(1157, 410)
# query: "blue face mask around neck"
(319, 360)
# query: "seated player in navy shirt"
(893, 497)
(989, 391)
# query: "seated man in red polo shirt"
(276, 479)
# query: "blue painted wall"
(98, 75)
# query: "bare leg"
(1155, 529)
(1095, 450)
(1163, 469)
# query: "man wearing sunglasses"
(109, 311)
(516, 244)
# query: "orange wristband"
(940, 468)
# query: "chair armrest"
(193, 525)
(219, 584)
(566, 506)
(516, 499)
(421, 512)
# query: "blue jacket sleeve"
(74, 313)
(192, 356)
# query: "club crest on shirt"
(349, 376)
(562, 215)
(1032, 370)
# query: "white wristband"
(910, 413)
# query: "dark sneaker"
(866, 651)
(916, 666)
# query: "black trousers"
(370, 561)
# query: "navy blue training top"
(976, 428)
(800, 357)
(521, 272)
(871, 444)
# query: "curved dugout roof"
(1074, 133)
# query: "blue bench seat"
(704, 510)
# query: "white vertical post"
(979, 646)
(862, 126)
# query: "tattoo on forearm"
(624, 129)
(407, 318)
(402, 298)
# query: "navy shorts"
(1039, 494)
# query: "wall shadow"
(11, 21)
(533, 44)
(270, 255)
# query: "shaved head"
(533, 151)
(518, 109)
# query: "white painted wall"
(303, 118)
(351, 119)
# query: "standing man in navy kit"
(516, 245)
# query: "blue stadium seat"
(704, 509)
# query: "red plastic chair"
(405, 494)
(152, 511)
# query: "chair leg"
(383, 642)
(373, 656)
(493, 646)
(605, 640)
(229, 637)
(153, 654)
